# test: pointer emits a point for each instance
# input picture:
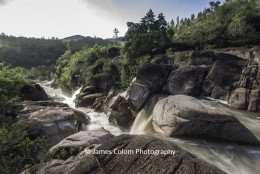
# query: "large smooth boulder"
(185, 116)
(186, 80)
(150, 78)
(33, 92)
(80, 141)
(153, 76)
(138, 95)
(56, 123)
(105, 160)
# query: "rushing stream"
(97, 120)
(231, 158)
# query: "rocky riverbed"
(167, 105)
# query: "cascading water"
(97, 120)
(231, 158)
(143, 118)
(57, 93)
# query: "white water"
(231, 158)
(143, 118)
(97, 120)
(70, 100)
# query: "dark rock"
(97, 105)
(150, 78)
(181, 46)
(254, 101)
(81, 164)
(138, 96)
(153, 76)
(202, 58)
(186, 80)
(47, 103)
(238, 99)
(185, 116)
(87, 100)
(121, 114)
(219, 93)
(90, 90)
(162, 59)
(33, 92)
(223, 74)
(178, 161)
(81, 140)
(181, 162)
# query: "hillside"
(78, 42)
(75, 38)
(29, 52)
(34, 52)
(234, 23)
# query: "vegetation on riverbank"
(233, 23)
(16, 148)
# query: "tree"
(178, 21)
(148, 35)
(192, 18)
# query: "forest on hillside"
(234, 23)
(34, 52)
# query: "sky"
(63, 18)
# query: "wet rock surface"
(185, 80)
(176, 161)
(52, 119)
(81, 140)
(121, 114)
(185, 116)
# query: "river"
(231, 158)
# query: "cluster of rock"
(97, 153)
(116, 106)
(74, 150)
(218, 75)
(44, 117)
(225, 75)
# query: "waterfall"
(142, 122)
(97, 120)
(70, 100)
(231, 158)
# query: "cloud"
(121, 10)
(4, 2)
